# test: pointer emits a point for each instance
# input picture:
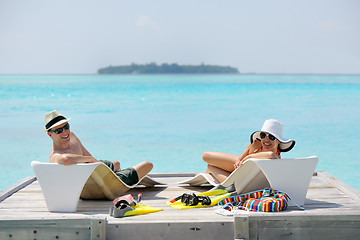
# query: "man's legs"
(143, 168)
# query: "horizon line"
(240, 73)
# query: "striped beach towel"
(266, 200)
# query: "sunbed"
(62, 185)
(291, 175)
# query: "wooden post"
(241, 228)
(320, 227)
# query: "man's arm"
(85, 152)
(69, 159)
(78, 154)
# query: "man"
(67, 149)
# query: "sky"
(81, 36)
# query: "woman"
(264, 144)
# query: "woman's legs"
(218, 173)
(224, 161)
(220, 165)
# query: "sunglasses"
(60, 130)
(271, 137)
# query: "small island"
(153, 68)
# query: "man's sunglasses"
(60, 130)
(271, 137)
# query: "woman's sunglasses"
(60, 130)
(271, 137)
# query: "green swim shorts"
(108, 163)
(128, 175)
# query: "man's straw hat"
(53, 119)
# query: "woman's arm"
(260, 155)
(245, 155)
(264, 155)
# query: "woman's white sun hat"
(53, 119)
(275, 128)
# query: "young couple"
(67, 149)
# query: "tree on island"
(153, 68)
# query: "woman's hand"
(240, 162)
(237, 164)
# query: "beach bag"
(265, 200)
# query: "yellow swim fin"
(140, 209)
(126, 206)
(215, 196)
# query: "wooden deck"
(332, 212)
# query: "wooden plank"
(298, 227)
(348, 190)
(13, 189)
(91, 228)
(174, 231)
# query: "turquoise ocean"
(171, 120)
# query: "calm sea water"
(171, 119)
